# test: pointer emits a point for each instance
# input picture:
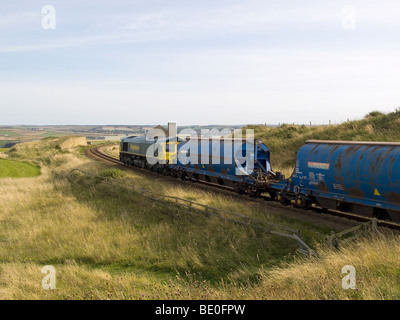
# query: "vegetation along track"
(315, 214)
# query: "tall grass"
(375, 260)
(107, 241)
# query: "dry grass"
(107, 242)
(112, 151)
(376, 262)
(110, 231)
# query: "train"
(349, 176)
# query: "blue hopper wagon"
(360, 177)
(222, 162)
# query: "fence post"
(333, 240)
(374, 224)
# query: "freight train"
(360, 177)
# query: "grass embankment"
(113, 151)
(285, 140)
(15, 169)
(376, 262)
(107, 241)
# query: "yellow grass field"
(106, 241)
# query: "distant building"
(115, 138)
(163, 129)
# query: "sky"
(197, 62)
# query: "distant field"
(52, 134)
(4, 149)
(15, 169)
(9, 133)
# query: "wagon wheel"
(174, 174)
(284, 201)
(303, 203)
(182, 175)
(238, 188)
(272, 195)
(254, 193)
(381, 214)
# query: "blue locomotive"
(208, 161)
(134, 152)
(361, 177)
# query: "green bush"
(112, 173)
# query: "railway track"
(98, 153)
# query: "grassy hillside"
(107, 241)
(377, 275)
(286, 139)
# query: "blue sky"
(197, 62)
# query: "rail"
(234, 217)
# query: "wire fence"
(225, 215)
(337, 240)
